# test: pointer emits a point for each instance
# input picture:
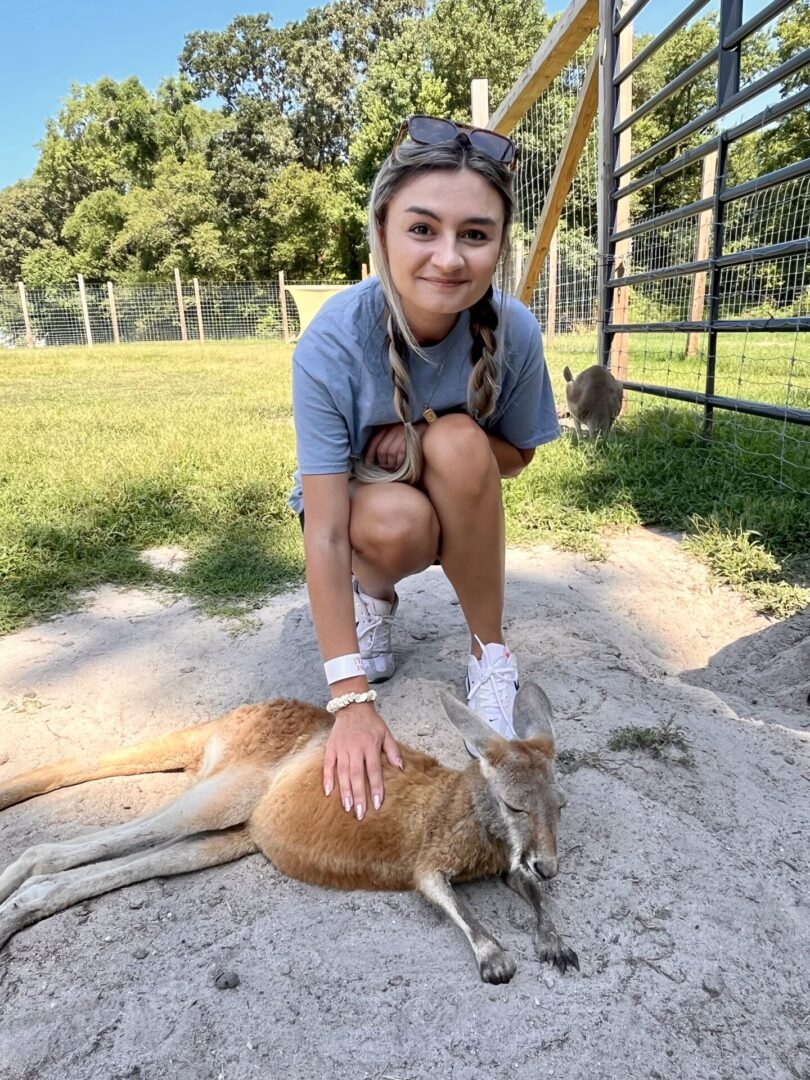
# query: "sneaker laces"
(496, 679)
(374, 629)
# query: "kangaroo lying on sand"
(260, 788)
(594, 399)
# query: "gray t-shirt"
(342, 387)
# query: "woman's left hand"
(386, 447)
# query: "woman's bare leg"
(394, 532)
(462, 480)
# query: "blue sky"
(48, 44)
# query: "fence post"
(551, 306)
(363, 272)
(29, 334)
(113, 313)
(282, 299)
(479, 102)
(198, 305)
(620, 344)
(702, 249)
(85, 310)
(181, 311)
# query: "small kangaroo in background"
(594, 399)
(260, 788)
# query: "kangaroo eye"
(515, 809)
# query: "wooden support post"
(198, 305)
(562, 179)
(371, 268)
(85, 310)
(551, 305)
(113, 313)
(702, 250)
(181, 311)
(620, 345)
(282, 300)
(363, 271)
(29, 333)
(479, 102)
(567, 34)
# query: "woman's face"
(442, 233)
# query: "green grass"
(108, 451)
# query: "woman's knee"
(457, 447)
(393, 525)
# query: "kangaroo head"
(520, 801)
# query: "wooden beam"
(113, 313)
(181, 311)
(282, 300)
(562, 179)
(620, 344)
(479, 102)
(705, 220)
(29, 334)
(85, 310)
(567, 34)
(551, 306)
(198, 306)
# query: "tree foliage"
(258, 153)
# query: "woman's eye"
(421, 230)
(475, 234)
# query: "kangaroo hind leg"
(46, 894)
(219, 802)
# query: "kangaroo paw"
(552, 950)
(496, 965)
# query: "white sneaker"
(373, 619)
(492, 684)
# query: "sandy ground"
(684, 891)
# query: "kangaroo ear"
(532, 713)
(467, 723)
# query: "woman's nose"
(447, 256)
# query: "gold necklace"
(428, 413)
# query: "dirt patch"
(683, 890)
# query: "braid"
(411, 468)
(482, 388)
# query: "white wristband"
(343, 667)
(338, 703)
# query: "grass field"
(108, 451)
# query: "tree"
(25, 221)
(91, 231)
(310, 223)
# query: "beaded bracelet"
(338, 703)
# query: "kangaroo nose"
(545, 868)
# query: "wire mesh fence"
(55, 316)
(706, 305)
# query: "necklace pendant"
(429, 414)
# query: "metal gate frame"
(729, 95)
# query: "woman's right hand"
(355, 746)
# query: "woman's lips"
(443, 284)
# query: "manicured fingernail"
(376, 800)
(359, 811)
(327, 789)
(347, 804)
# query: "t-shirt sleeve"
(527, 415)
(321, 430)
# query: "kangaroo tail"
(168, 753)
(567, 374)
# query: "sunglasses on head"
(428, 130)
